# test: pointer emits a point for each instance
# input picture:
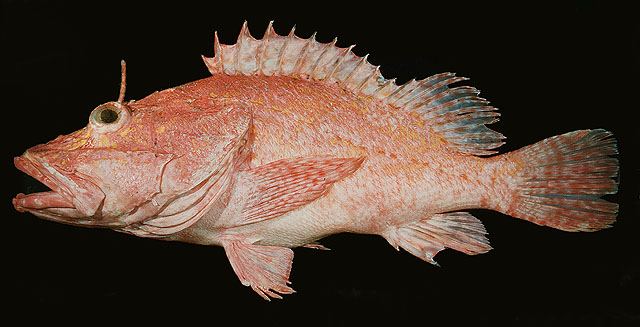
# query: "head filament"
(123, 81)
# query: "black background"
(550, 69)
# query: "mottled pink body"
(292, 140)
(408, 172)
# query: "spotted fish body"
(291, 140)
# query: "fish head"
(95, 178)
(134, 162)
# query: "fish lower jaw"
(41, 200)
(17, 203)
(56, 197)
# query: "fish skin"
(261, 164)
(396, 150)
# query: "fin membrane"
(455, 230)
(281, 186)
(457, 114)
(265, 269)
(563, 180)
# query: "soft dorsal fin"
(457, 113)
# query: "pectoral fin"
(265, 268)
(276, 188)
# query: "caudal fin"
(562, 179)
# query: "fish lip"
(33, 168)
(62, 194)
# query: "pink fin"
(276, 188)
(457, 114)
(425, 238)
(265, 268)
(562, 179)
(316, 246)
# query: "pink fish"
(291, 140)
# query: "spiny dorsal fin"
(457, 113)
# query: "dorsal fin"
(457, 113)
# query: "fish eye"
(108, 116)
(105, 115)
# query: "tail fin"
(562, 179)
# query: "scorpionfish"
(291, 140)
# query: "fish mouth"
(71, 200)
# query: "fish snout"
(17, 204)
(69, 194)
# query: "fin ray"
(264, 268)
(425, 238)
(276, 188)
(432, 98)
(562, 179)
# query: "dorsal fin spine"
(371, 76)
(284, 48)
(218, 49)
(266, 37)
(347, 79)
(303, 53)
(457, 113)
(239, 44)
(341, 59)
(327, 46)
(383, 86)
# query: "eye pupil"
(108, 116)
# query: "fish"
(291, 140)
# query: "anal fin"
(425, 238)
(264, 268)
